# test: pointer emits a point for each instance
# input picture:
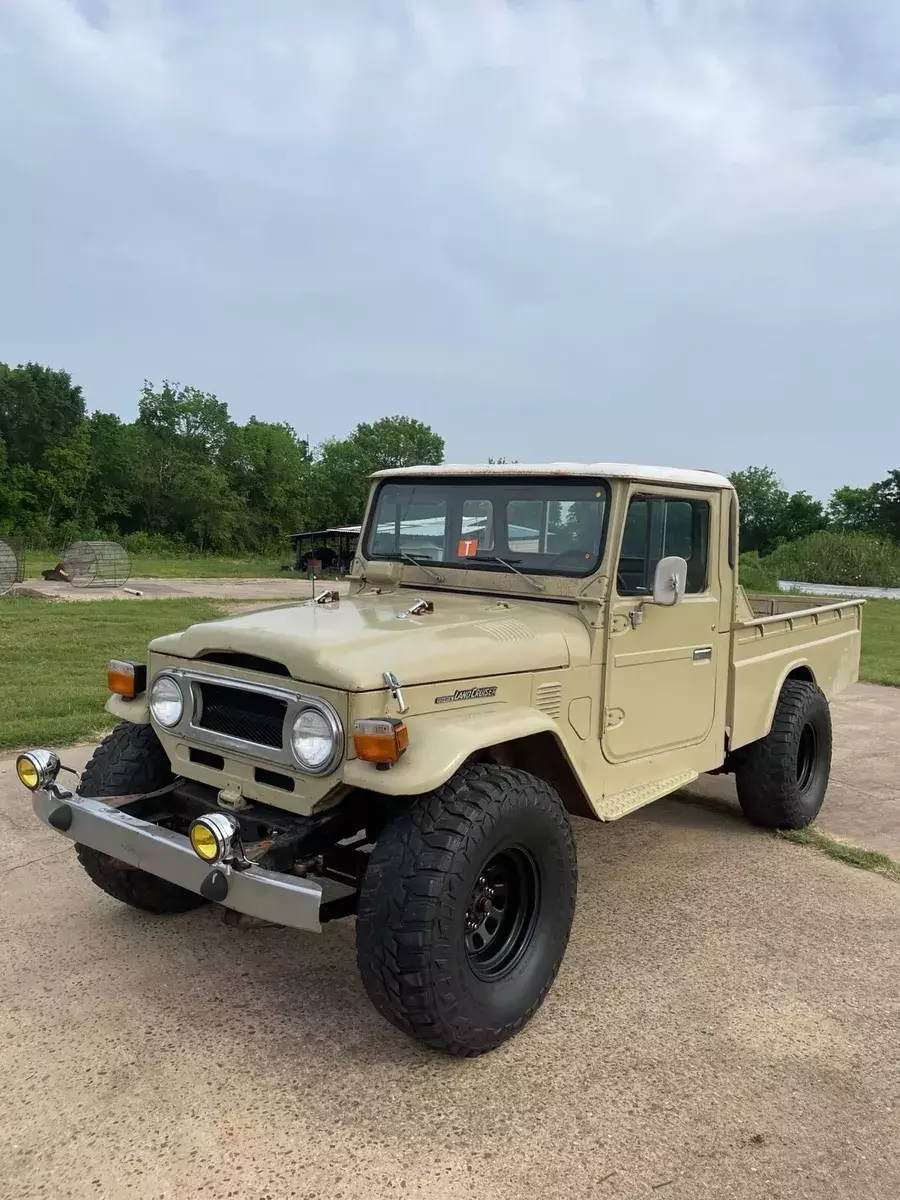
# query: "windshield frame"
(499, 483)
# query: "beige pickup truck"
(518, 644)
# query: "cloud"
(607, 115)
(661, 229)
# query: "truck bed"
(774, 637)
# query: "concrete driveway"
(287, 587)
(725, 1025)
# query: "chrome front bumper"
(269, 895)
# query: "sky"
(663, 231)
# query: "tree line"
(183, 475)
(771, 516)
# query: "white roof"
(680, 475)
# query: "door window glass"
(659, 526)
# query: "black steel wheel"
(782, 779)
(465, 909)
(502, 913)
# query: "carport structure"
(333, 548)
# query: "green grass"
(879, 660)
(53, 661)
(199, 566)
(852, 856)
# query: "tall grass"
(854, 559)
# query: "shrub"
(755, 575)
(156, 545)
(853, 559)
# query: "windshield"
(539, 526)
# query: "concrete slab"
(291, 587)
(724, 1026)
(863, 801)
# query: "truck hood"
(350, 644)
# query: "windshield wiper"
(416, 562)
(504, 562)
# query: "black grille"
(246, 715)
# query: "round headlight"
(313, 739)
(166, 701)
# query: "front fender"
(136, 711)
(439, 744)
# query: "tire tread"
(399, 907)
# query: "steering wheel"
(569, 552)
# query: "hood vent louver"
(506, 630)
(548, 699)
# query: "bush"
(156, 545)
(853, 559)
(755, 575)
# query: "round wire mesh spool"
(96, 564)
(9, 566)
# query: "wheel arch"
(798, 668)
(508, 735)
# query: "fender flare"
(439, 744)
(796, 665)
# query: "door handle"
(703, 654)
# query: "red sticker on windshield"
(468, 548)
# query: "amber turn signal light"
(126, 678)
(380, 739)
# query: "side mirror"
(669, 580)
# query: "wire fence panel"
(12, 562)
(96, 564)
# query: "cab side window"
(655, 527)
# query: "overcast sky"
(654, 230)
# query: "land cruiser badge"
(481, 693)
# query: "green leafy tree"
(888, 492)
(855, 510)
(762, 501)
(267, 467)
(39, 408)
(340, 476)
(802, 516)
(771, 515)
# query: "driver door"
(662, 660)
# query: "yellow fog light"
(212, 837)
(37, 768)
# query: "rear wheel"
(465, 909)
(130, 761)
(782, 779)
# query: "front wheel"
(130, 761)
(782, 779)
(466, 907)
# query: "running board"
(613, 807)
